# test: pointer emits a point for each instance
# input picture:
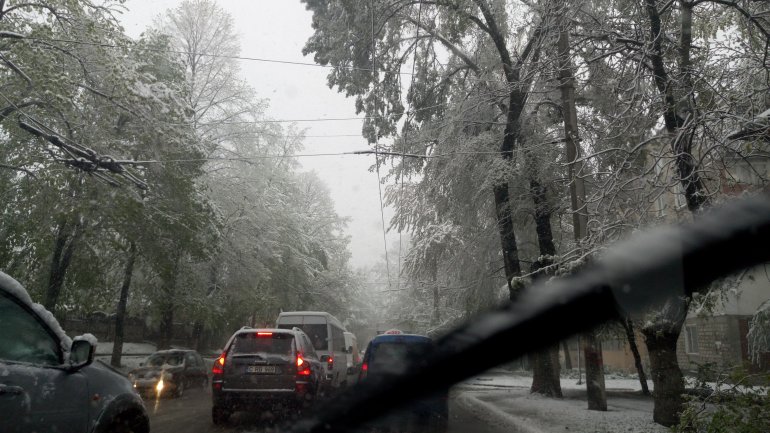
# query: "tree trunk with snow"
(597, 397)
(120, 313)
(546, 370)
(661, 335)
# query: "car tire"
(219, 415)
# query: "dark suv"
(394, 354)
(265, 369)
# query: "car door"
(37, 394)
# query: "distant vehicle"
(170, 373)
(353, 357)
(327, 335)
(49, 384)
(392, 354)
(266, 369)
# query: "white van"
(327, 336)
(353, 357)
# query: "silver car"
(48, 382)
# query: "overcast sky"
(278, 29)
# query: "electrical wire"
(406, 135)
(375, 82)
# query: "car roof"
(246, 330)
(172, 351)
(401, 338)
(328, 316)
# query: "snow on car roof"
(15, 289)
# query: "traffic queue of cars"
(283, 369)
(49, 382)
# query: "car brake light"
(303, 367)
(219, 365)
(330, 363)
(264, 334)
(364, 370)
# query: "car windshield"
(165, 359)
(565, 197)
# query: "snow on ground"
(105, 348)
(498, 378)
(503, 398)
(519, 411)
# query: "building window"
(691, 338)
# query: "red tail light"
(330, 363)
(264, 334)
(219, 365)
(364, 370)
(303, 367)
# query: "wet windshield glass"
(565, 197)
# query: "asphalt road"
(192, 414)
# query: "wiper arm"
(635, 275)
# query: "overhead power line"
(211, 55)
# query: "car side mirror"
(81, 354)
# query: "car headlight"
(159, 386)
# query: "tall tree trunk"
(661, 336)
(567, 357)
(64, 247)
(628, 324)
(166, 324)
(120, 313)
(678, 106)
(592, 348)
(167, 305)
(545, 363)
(597, 397)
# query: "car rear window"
(252, 343)
(394, 357)
(161, 359)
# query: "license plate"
(262, 369)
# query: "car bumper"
(238, 399)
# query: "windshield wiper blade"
(634, 275)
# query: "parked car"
(170, 373)
(393, 354)
(49, 383)
(327, 335)
(266, 369)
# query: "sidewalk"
(504, 399)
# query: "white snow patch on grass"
(497, 378)
(105, 348)
(523, 412)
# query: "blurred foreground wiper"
(632, 277)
